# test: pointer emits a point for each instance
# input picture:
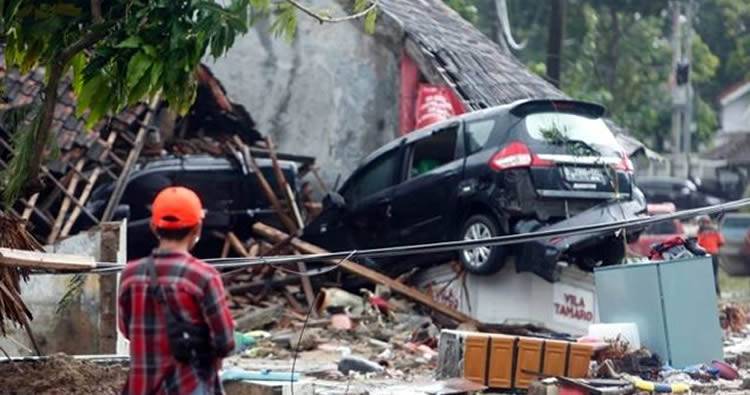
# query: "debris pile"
(61, 374)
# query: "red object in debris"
(341, 322)
(380, 303)
(571, 390)
(434, 104)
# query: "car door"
(368, 200)
(425, 201)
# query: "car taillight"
(514, 155)
(625, 164)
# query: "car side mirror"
(334, 199)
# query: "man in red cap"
(172, 307)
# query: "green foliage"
(617, 53)
(140, 48)
(466, 8)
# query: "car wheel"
(481, 260)
(613, 252)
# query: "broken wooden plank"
(91, 181)
(225, 248)
(45, 261)
(237, 244)
(265, 186)
(257, 318)
(30, 205)
(307, 286)
(284, 185)
(323, 187)
(122, 180)
(362, 271)
(65, 205)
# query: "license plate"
(584, 174)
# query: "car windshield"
(589, 134)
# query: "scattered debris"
(360, 365)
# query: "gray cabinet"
(672, 302)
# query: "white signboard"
(573, 306)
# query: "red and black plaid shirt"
(195, 288)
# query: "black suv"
(530, 165)
(230, 192)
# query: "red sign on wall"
(435, 104)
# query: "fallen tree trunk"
(276, 236)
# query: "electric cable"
(428, 248)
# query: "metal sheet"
(691, 311)
(630, 293)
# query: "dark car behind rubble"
(684, 194)
(531, 165)
(230, 193)
(734, 255)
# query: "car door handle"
(389, 211)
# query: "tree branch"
(96, 11)
(327, 19)
(97, 32)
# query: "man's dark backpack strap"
(188, 343)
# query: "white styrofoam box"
(510, 297)
(627, 331)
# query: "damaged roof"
(213, 109)
(733, 149)
(67, 128)
(483, 73)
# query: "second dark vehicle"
(526, 166)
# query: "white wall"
(735, 117)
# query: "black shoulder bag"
(189, 343)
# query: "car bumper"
(542, 256)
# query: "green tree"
(124, 51)
(617, 52)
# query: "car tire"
(613, 252)
(481, 260)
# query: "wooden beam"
(284, 185)
(122, 180)
(90, 182)
(307, 286)
(265, 186)
(65, 205)
(45, 261)
(30, 205)
(362, 271)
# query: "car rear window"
(557, 128)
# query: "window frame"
(458, 152)
(358, 175)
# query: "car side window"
(478, 134)
(434, 151)
(379, 175)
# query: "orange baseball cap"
(176, 208)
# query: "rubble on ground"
(61, 374)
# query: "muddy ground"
(61, 374)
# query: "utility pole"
(555, 37)
(682, 92)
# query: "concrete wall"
(332, 93)
(735, 117)
(77, 328)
